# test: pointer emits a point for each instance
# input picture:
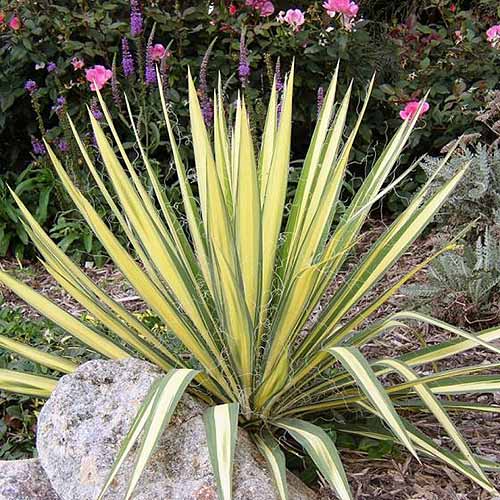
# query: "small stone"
(82, 425)
(24, 480)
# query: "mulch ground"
(402, 479)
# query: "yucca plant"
(237, 285)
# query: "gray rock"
(83, 423)
(24, 480)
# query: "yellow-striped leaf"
(221, 425)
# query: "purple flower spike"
(63, 145)
(115, 88)
(59, 105)
(279, 80)
(149, 68)
(96, 110)
(127, 59)
(51, 67)
(136, 24)
(207, 112)
(319, 99)
(206, 104)
(244, 65)
(38, 146)
(31, 87)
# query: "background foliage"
(413, 47)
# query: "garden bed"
(395, 476)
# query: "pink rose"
(493, 35)
(346, 7)
(157, 52)
(77, 63)
(15, 23)
(263, 7)
(411, 108)
(266, 9)
(295, 18)
(98, 76)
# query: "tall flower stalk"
(320, 97)
(136, 20)
(149, 67)
(115, 87)
(127, 59)
(205, 101)
(244, 64)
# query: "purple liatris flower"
(58, 107)
(30, 86)
(277, 72)
(95, 109)
(319, 99)
(63, 145)
(136, 24)
(244, 65)
(164, 68)
(51, 66)
(38, 146)
(207, 111)
(149, 68)
(127, 60)
(206, 105)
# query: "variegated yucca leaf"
(322, 451)
(236, 277)
(270, 449)
(221, 424)
(153, 416)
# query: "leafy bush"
(35, 187)
(236, 286)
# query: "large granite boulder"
(24, 480)
(83, 423)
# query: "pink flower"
(411, 108)
(98, 77)
(459, 37)
(266, 9)
(233, 9)
(15, 23)
(263, 7)
(346, 7)
(157, 52)
(295, 18)
(77, 63)
(493, 35)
